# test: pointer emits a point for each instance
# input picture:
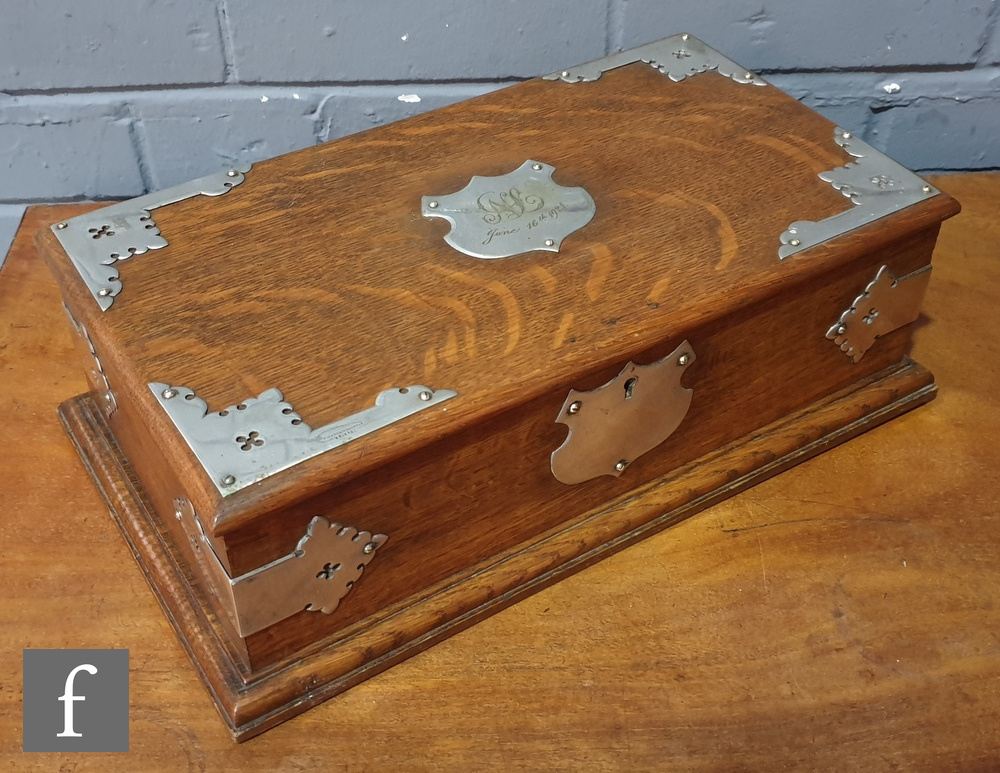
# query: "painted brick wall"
(111, 98)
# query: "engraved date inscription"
(550, 214)
(493, 233)
(511, 214)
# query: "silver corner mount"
(327, 563)
(97, 240)
(876, 185)
(886, 304)
(253, 440)
(98, 378)
(677, 57)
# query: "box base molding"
(251, 703)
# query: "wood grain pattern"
(469, 483)
(688, 200)
(254, 702)
(838, 616)
(753, 368)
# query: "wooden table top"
(843, 615)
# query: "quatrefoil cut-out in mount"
(262, 435)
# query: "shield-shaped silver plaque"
(498, 217)
(612, 426)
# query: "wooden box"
(360, 396)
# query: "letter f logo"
(68, 698)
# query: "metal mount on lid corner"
(678, 57)
(876, 185)
(97, 240)
(245, 443)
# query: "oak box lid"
(326, 273)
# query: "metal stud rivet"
(574, 407)
(425, 396)
(621, 465)
(169, 393)
(795, 242)
(432, 205)
(104, 292)
(685, 36)
(549, 242)
(232, 173)
(841, 329)
(229, 480)
(683, 360)
(61, 226)
(370, 547)
(793, 230)
(564, 74)
(537, 167)
(847, 135)
(926, 189)
(748, 75)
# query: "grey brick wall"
(106, 98)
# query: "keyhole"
(870, 317)
(629, 386)
(327, 572)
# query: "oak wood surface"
(483, 493)
(341, 295)
(252, 700)
(317, 275)
(840, 615)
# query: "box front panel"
(489, 491)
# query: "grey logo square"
(75, 700)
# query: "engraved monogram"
(507, 205)
(524, 210)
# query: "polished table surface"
(844, 615)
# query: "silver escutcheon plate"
(525, 210)
(885, 305)
(263, 435)
(325, 565)
(612, 426)
(876, 185)
(97, 240)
